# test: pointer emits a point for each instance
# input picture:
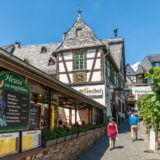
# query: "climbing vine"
(149, 105)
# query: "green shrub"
(57, 133)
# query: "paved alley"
(125, 149)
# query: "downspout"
(105, 81)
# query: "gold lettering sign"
(93, 92)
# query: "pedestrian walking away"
(134, 120)
(112, 132)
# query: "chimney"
(17, 44)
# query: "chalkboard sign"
(35, 112)
(14, 102)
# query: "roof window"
(78, 32)
(43, 49)
(51, 62)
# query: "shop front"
(24, 113)
(29, 104)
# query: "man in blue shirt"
(133, 120)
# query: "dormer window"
(43, 49)
(26, 60)
(78, 32)
(51, 62)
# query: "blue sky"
(45, 21)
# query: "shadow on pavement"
(96, 151)
(125, 127)
(119, 147)
(140, 139)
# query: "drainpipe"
(105, 80)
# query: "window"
(51, 62)
(78, 32)
(79, 60)
(139, 79)
(26, 60)
(43, 49)
(156, 64)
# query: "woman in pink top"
(112, 132)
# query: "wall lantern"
(111, 89)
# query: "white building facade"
(86, 63)
(91, 66)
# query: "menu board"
(14, 102)
(35, 112)
(9, 143)
(31, 139)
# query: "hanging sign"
(14, 102)
(142, 90)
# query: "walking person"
(112, 132)
(134, 120)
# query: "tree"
(149, 105)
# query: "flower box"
(47, 143)
(82, 134)
(69, 137)
(60, 140)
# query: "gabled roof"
(140, 69)
(154, 58)
(115, 46)
(72, 40)
(129, 70)
(146, 63)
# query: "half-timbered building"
(84, 62)
(91, 65)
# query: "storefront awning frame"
(18, 66)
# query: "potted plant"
(68, 135)
(61, 133)
(49, 138)
(74, 131)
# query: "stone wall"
(69, 150)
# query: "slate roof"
(32, 54)
(146, 63)
(129, 70)
(87, 37)
(115, 46)
(154, 58)
(9, 48)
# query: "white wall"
(61, 67)
(63, 78)
(90, 54)
(96, 76)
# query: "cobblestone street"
(125, 149)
